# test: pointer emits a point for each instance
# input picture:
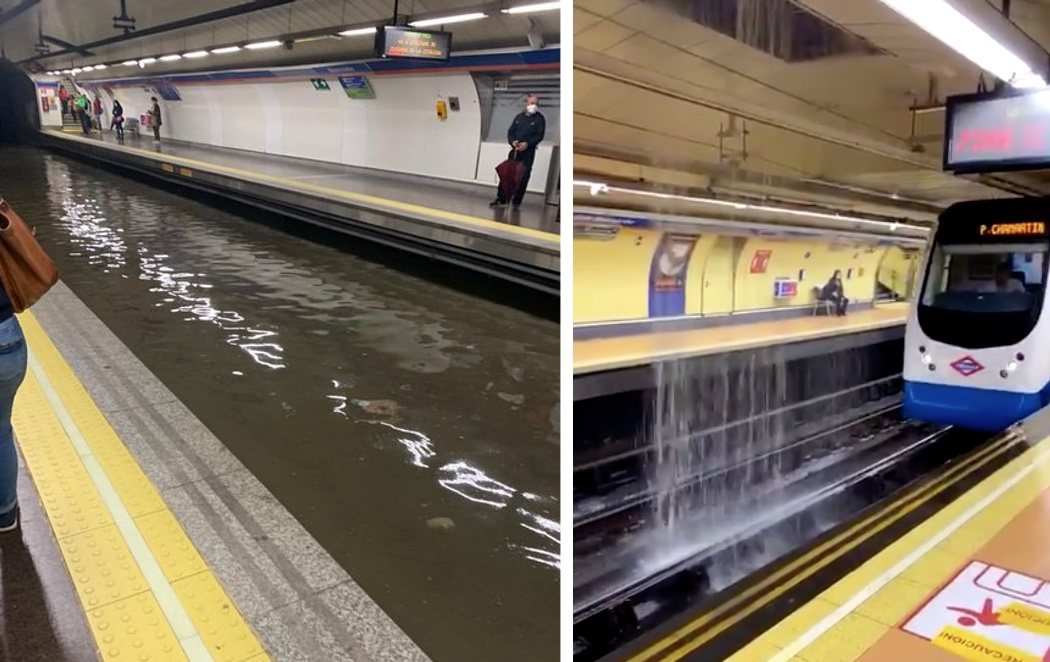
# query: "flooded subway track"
(720, 467)
(410, 427)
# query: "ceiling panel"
(83, 21)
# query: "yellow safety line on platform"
(146, 591)
(708, 625)
(1013, 486)
(548, 237)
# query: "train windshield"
(983, 295)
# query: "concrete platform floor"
(462, 198)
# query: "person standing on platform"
(63, 97)
(835, 293)
(155, 118)
(117, 122)
(84, 111)
(524, 135)
(97, 108)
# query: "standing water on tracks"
(411, 428)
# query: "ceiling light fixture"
(193, 55)
(76, 70)
(598, 187)
(263, 44)
(225, 49)
(99, 66)
(446, 20)
(147, 60)
(358, 31)
(526, 9)
(170, 58)
(89, 68)
(131, 63)
(966, 38)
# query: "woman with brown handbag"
(26, 273)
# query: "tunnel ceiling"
(80, 22)
(653, 89)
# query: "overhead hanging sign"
(398, 42)
(168, 92)
(992, 133)
(357, 87)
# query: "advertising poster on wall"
(760, 261)
(668, 273)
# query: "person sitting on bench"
(834, 292)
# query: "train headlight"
(1011, 366)
(927, 359)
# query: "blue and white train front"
(977, 342)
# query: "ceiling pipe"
(806, 187)
(17, 9)
(192, 21)
(65, 44)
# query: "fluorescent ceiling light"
(99, 66)
(147, 60)
(89, 68)
(193, 55)
(962, 35)
(76, 70)
(225, 49)
(525, 9)
(263, 44)
(170, 58)
(598, 187)
(131, 63)
(459, 18)
(67, 71)
(358, 31)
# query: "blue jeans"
(13, 357)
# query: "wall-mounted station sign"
(992, 133)
(398, 42)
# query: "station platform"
(144, 538)
(602, 366)
(601, 354)
(443, 220)
(954, 568)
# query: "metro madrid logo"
(967, 366)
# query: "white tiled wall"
(399, 130)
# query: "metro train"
(977, 341)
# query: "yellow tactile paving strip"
(550, 239)
(627, 351)
(848, 638)
(117, 591)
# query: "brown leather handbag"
(26, 271)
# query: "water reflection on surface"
(370, 402)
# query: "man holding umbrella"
(524, 135)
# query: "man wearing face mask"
(524, 135)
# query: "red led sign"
(989, 132)
(1000, 140)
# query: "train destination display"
(398, 42)
(993, 133)
(1013, 229)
